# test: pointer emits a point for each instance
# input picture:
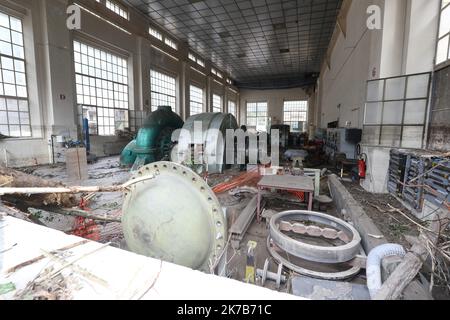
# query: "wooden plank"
(76, 164)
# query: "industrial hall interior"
(224, 150)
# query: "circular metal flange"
(314, 253)
(279, 275)
(266, 274)
(334, 276)
(174, 217)
(265, 270)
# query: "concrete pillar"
(225, 99)
(421, 35)
(57, 48)
(393, 43)
(209, 94)
(183, 96)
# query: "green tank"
(154, 140)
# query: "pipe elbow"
(374, 260)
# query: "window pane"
(196, 100)
(101, 88)
(257, 115)
(412, 137)
(14, 112)
(295, 114)
(232, 108)
(163, 90)
(395, 89)
(217, 103)
(393, 112)
(444, 27)
(390, 136)
(418, 86)
(371, 135)
(415, 111)
(375, 90)
(373, 113)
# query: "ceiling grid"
(253, 40)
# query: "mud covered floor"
(392, 225)
(107, 171)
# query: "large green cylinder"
(153, 140)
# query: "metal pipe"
(373, 270)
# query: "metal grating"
(249, 39)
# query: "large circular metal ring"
(334, 276)
(174, 217)
(311, 252)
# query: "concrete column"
(421, 35)
(393, 44)
(209, 94)
(225, 99)
(58, 47)
(184, 90)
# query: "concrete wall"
(51, 75)
(405, 45)
(354, 60)
(275, 100)
(422, 27)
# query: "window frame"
(25, 129)
(164, 94)
(404, 100)
(155, 33)
(446, 62)
(295, 113)
(104, 82)
(232, 102)
(195, 59)
(171, 43)
(257, 112)
(214, 108)
(121, 8)
(191, 101)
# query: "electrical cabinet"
(342, 140)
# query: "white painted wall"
(50, 72)
(275, 100)
(422, 25)
(405, 45)
(354, 60)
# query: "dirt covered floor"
(393, 225)
(107, 172)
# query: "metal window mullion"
(405, 92)
(7, 119)
(382, 112)
(427, 107)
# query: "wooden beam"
(407, 270)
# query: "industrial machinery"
(419, 175)
(191, 231)
(342, 140)
(337, 244)
(202, 142)
(154, 140)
